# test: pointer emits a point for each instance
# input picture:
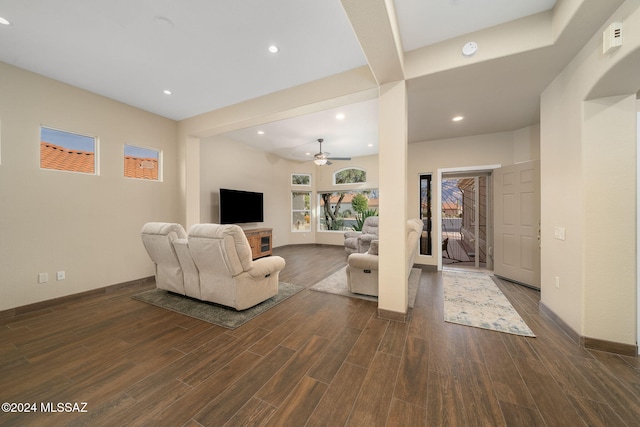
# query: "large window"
(345, 210)
(66, 151)
(301, 211)
(141, 163)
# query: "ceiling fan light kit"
(322, 158)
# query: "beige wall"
(86, 225)
(588, 152)
(343, 89)
(229, 164)
(270, 174)
(526, 144)
(503, 148)
(220, 167)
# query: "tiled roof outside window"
(59, 158)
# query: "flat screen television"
(240, 206)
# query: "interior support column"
(393, 269)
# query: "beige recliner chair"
(158, 239)
(362, 269)
(228, 275)
(359, 241)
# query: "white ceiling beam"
(375, 25)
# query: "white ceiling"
(213, 53)
(425, 22)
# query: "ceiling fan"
(322, 159)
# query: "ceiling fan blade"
(339, 158)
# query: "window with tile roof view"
(141, 163)
(67, 151)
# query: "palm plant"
(361, 216)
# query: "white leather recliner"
(212, 263)
(228, 274)
(362, 269)
(158, 239)
(359, 241)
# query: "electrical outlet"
(60, 275)
(557, 279)
(43, 277)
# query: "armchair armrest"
(363, 262)
(367, 237)
(265, 266)
(350, 234)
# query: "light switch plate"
(559, 233)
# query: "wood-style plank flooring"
(313, 360)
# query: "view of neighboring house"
(143, 168)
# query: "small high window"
(300, 179)
(67, 151)
(350, 176)
(141, 163)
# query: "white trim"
(438, 206)
(637, 226)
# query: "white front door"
(517, 223)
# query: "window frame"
(159, 161)
(308, 210)
(426, 213)
(307, 175)
(96, 151)
(320, 212)
(333, 176)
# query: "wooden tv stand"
(260, 241)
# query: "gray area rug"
(473, 299)
(214, 313)
(337, 284)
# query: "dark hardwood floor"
(315, 359)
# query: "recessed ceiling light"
(260, 132)
(370, 145)
(274, 49)
(457, 118)
(3, 21)
(166, 92)
(340, 116)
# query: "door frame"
(638, 227)
(438, 204)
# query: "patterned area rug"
(214, 313)
(473, 299)
(337, 284)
